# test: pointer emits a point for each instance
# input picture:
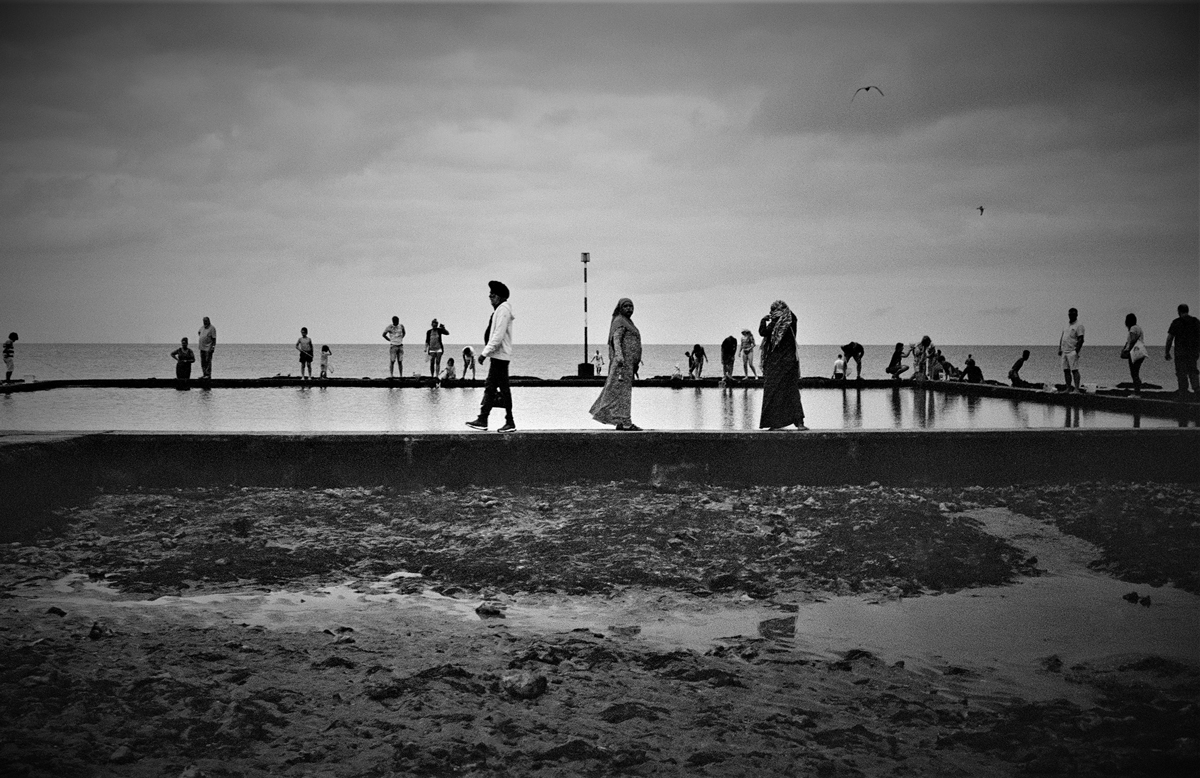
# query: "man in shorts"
(207, 341)
(394, 334)
(304, 345)
(1070, 343)
(1183, 334)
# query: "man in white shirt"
(839, 369)
(496, 392)
(394, 334)
(207, 342)
(1070, 343)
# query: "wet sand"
(622, 628)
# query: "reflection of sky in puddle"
(363, 409)
(1000, 634)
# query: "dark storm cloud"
(703, 152)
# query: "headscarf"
(621, 321)
(781, 321)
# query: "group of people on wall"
(781, 403)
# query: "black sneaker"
(477, 424)
(508, 427)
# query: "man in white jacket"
(498, 337)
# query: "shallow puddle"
(997, 636)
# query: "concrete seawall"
(43, 470)
(950, 457)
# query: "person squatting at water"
(184, 357)
(434, 347)
(1135, 351)
(498, 338)
(896, 366)
(781, 404)
(615, 403)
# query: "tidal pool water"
(997, 636)
(376, 409)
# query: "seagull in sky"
(866, 89)
(981, 210)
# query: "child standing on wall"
(325, 366)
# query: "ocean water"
(1100, 365)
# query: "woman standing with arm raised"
(615, 403)
(781, 404)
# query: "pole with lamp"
(586, 368)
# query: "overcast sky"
(332, 164)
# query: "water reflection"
(1020, 413)
(727, 418)
(303, 409)
(748, 420)
(924, 407)
(852, 410)
(205, 406)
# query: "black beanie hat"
(498, 289)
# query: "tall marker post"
(586, 368)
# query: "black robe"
(781, 404)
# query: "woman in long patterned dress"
(781, 404)
(615, 403)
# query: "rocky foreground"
(111, 685)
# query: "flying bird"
(981, 210)
(866, 89)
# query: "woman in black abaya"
(781, 404)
